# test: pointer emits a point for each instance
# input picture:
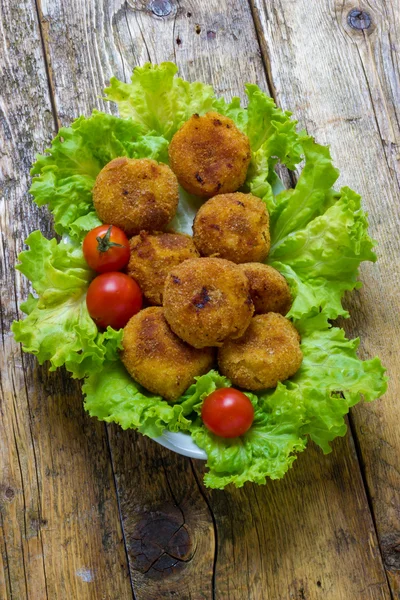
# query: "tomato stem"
(104, 242)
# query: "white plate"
(181, 443)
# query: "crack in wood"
(39, 507)
(119, 510)
(6, 564)
(214, 522)
(47, 61)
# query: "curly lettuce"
(157, 100)
(319, 237)
(58, 327)
(312, 404)
(64, 177)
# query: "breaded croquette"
(234, 227)
(136, 194)
(157, 359)
(268, 352)
(268, 289)
(153, 256)
(206, 301)
(210, 155)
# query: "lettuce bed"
(318, 240)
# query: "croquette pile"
(210, 297)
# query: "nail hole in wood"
(359, 19)
(161, 8)
(9, 493)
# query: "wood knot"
(161, 8)
(391, 551)
(160, 545)
(9, 493)
(359, 19)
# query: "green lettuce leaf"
(113, 396)
(332, 379)
(319, 236)
(268, 449)
(312, 404)
(315, 295)
(159, 101)
(64, 177)
(58, 327)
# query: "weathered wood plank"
(343, 84)
(60, 535)
(170, 535)
(308, 536)
(214, 42)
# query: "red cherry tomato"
(106, 248)
(227, 413)
(112, 299)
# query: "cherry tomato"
(227, 413)
(106, 248)
(112, 299)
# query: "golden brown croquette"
(206, 301)
(210, 155)
(268, 352)
(157, 359)
(136, 194)
(268, 289)
(153, 256)
(234, 227)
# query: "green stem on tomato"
(104, 243)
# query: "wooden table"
(92, 512)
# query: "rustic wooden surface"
(88, 512)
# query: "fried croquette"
(153, 256)
(234, 227)
(136, 194)
(268, 289)
(268, 352)
(210, 155)
(157, 359)
(206, 301)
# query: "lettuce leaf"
(311, 404)
(319, 237)
(58, 327)
(64, 177)
(332, 379)
(159, 101)
(268, 449)
(113, 396)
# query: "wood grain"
(169, 531)
(60, 535)
(307, 536)
(355, 108)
